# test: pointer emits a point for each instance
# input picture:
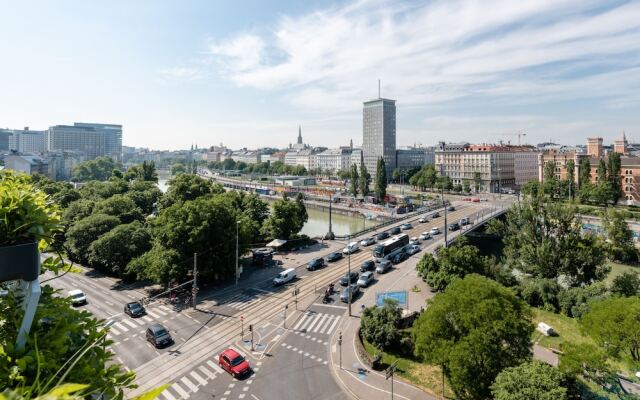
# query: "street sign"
(401, 297)
(389, 371)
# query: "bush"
(541, 293)
(379, 325)
(574, 301)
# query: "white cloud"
(433, 52)
(182, 73)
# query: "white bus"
(389, 248)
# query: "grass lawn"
(427, 377)
(619, 269)
(567, 328)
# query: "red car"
(476, 200)
(231, 361)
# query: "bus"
(389, 248)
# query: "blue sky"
(247, 73)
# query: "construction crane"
(519, 135)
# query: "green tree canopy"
(584, 359)
(84, 232)
(286, 219)
(113, 251)
(620, 243)
(453, 262)
(532, 380)
(159, 265)
(144, 172)
(614, 324)
(584, 172)
(188, 187)
(627, 284)
(354, 181)
(364, 177)
(379, 325)
(381, 180)
(474, 329)
(177, 168)
(121, 206)
(98, 169)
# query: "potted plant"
(26, 217)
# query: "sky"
(247, 73)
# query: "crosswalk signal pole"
(251, 330)
(284, 321)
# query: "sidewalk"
(357, 379)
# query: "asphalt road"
(286, 362)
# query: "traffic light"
(340, 339)
(250, 328)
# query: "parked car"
(435, 231)
(398, 258)
(451, 208)
(464, 221)
(435, 215)
(382, 236)
(232, 362)
(454, 226)
(425, 236)
(466, 199)
(158, 335)
(348, 278)
(383, 266)
(351, 248)
(475, 200)
(423, 219)
(414, 240)
(349, 293)
(365, 279)
(77, 297)
(285, 276)
(134, 309)
(315, 264)
(368, 265)
(334, 256)
(412, 249)
(406, 227)
(368, 241)
(395, 230)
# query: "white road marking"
(205, 371)
(326, 325)
(302, 318)
(180, 390)
(335, 322)
(215, 367)
(114, 331)
(321, 323)
(189, 384)
(120, 327)
(160, 312)
(165, 308)
(198, 378)
(168, 395)
(109, 303)
(131, 324)
(316, 319)
(152, 314)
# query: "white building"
(27, 141)
(246, 156)
(335, 160)
(28, 164)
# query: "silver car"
(365, 279)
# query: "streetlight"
(237, 225)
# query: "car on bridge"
(435, 215)
(368, 265)
(435, 231)
(382, 235)
(395, 230)
(423, 219)
(366, 278)
(400, 257)
(406, 227)
(412, 249)
(232, 362)
(454, 226)
(425, 236)
(465, 221)
(368, 241)
(383, 266)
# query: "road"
(291, 352)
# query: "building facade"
(27, 141)
(414, 157)
(93, 140)
(379, 134)
(27, 164)
(334, 160)
(525, 167)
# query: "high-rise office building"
(27, 141)
(379, 134)
(94, 140)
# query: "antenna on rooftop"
(379, 89)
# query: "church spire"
(299, 134)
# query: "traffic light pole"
(340, 346)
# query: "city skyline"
(557, 71)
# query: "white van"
(351, 248)
(285, 276)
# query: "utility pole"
(241, 326)
(340, 346)
(237, 225)
(195, 279)
(443, 203)
(251, 330)
(284, 322)
(389, 374)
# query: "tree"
(354, 180)
(620, 243)
(477, 181)
(474, 329)
(145, 194)
(379, 325)
(466, 187)
(613, 173)
(533, 380)
(178, 168)
(395, 176)
(84, 232)
(452, 263)
(457, 188)
(120, 206)
(381, 180)
(627, 284)
(301, 210)
(584, 172)
(549, 182)
(188, 187)
(159, 265)
(98, 169)
(545, 239)
(284, 220)
(144, 172)
(78, 210)
(614, 324)
(364, 178)
(584, 359)
(571, 176)
(113, 251)
(602, 171)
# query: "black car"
(395, 230)
(435, 215)
(398, 258)
(454, 227)
(451, 208)
(315, 264)
(382, 235)
(368, 265)
(348, 278)
(334, 256)
(134, 309)
(349, 293)
(158, 335)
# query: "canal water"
(318, 222)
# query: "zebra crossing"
(241, 301)
(317, 323)
(191, 382)
(126, 324)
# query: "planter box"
(21, 261)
